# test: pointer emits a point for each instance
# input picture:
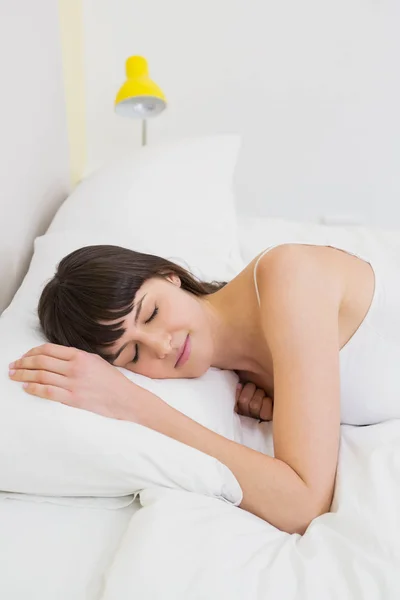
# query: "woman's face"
(167, 333)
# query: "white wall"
(313, 87)
(34, 167)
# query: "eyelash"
(154, 313)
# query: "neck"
(232, 332)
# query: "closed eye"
(136, 357)
(153, 314)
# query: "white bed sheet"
(54, 552)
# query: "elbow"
(314, 509)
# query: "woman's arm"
(300, 313)
(272, 490)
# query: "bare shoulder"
(292, 256)
(290, 270)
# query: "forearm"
(271, 489)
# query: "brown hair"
(97, 284)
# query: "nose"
(160, 344)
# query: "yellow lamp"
(139, 97)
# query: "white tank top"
(370, 361)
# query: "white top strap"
(255, 272)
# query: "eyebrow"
(139, 308)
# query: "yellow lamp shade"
(139, 97)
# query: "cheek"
(201, 349)
(179, 313)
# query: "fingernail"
(11, 371)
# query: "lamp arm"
(144, 132)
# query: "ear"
(172, 278)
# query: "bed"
(200, 546)
(75, 523)
(49, 550)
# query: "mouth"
(184, 353)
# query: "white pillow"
(179, 189)
(50, 449)
(52, 247)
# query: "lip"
(184, 353)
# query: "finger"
(249, 388)
(244, 398)
(48, 392)
(41, 377)
(54, 350)
(246, 393)
(238, 390)
(243, 406)
(43, 363)
(259, 393)
(267, 408)
(255, 405)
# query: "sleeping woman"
(312, 331)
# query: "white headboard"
(34, 163)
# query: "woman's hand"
(81, 380)
(253, 402)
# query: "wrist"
(136, 404)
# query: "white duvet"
(186, 546)
(183, 546)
